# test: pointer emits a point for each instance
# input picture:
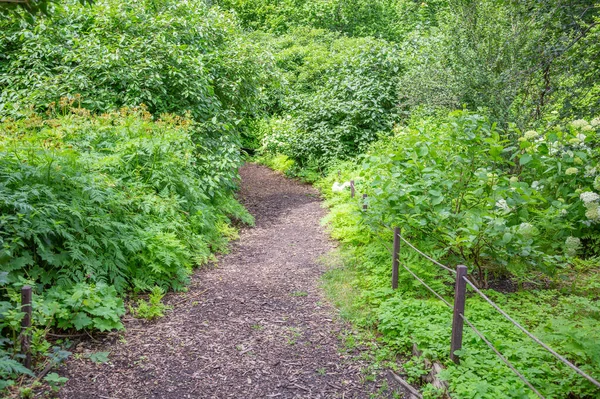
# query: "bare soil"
(254, 326)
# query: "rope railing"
(533, 337)
(459, 312)
(435, 262)
(429, 258)
(499, 354)
(476, 331)
(395, 255)
(434, 292)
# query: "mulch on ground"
(254, 326)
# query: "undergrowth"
(94, 207)
(564, 317)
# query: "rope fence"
(533, 337)
(505, 360)
(459, 318)
(462, 281)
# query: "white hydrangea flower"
(502, 204)
(530, 134)
(579, 123)
(340, 187)
(553, 148)
(581, 137)
(595, 122)
(592, 212)
(492, 176)
(564, 212)
(535, 184)
(571, 171)
(589, 196)
(572, 245)
(514, 179)
(526, 229)
(597, 183)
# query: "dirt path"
(257, 326)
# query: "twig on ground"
(406, 385)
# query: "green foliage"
(29, 8)
(387, 19)
(340, 94)
(152, 308)
(86, 307)
(172, 56)
(99, 357)
(515, 59)
(55, 381)
(10, 369)
(94, 206)
(279, 162)
(409, 316)
(120, 199)
(502, 201)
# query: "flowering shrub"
(502, 201)
(467, 192)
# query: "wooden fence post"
(365, 202)
(351, 188)
(460, 290)
(395, 260)
(26, 325)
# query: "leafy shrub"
(55, 381)
(94, 206)
(279, 162)
(411, 315)
(117, 199)
(519, 61)
(10, 369)
(172, 56)
(500, 201)
(341, 95)
(387, 19)
(85, 307)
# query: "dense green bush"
(387, 19)
(503, 201)
(568, 323)
(119, 198)
(515, 59)
(171, 56)
(338, 95)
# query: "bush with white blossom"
(526, 201)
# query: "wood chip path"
(254, 326)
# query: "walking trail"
(254, 326)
